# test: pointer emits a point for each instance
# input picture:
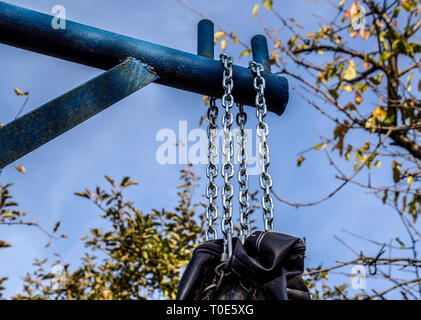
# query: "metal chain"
(227, 225)
(212, 172)
(242, 175)
(263, 149)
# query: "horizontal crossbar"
(102, 49)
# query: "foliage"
(138, 256)
(364, 81)
(360, 69)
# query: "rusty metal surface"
(43, 124)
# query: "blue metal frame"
(259, 48)
(205, 38)
(45, 123)
(132, 64)
(102, 49)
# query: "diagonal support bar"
(31, 30)
(43, 124)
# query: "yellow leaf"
(255, 9)
(206, 100)
(347, 87)
(20, 169)
(20, 92)
(268, 4)
(110, 180)
(224, 44)
(354, 33)
(235, 39)
(275, 55)
(300, 160)
(219, 35)
(278, 43)
(409, 81)
(310, 35)
(379, 113)
(370, 124)
(350, 71)
(410, 180)
(245, 53)
(366, 147)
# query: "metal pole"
(43, 124)
(259, 48)
(102, 49)
(205, 39)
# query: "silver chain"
(227, 171)
(242, 175)
(263, 149)
(212, 172)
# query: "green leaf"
(361, 87)
(400, 243)
(377, 79)
(402, 46)
(409, 81)
(396, 171)
(296, 23)
(334, 93)
(379, 113)
(385, 56)
(390, 117)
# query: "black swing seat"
(268, 266)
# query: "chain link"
(227, 171)
(263, 149)
(212, 172)
(242, 175)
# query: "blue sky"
(121, 140)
